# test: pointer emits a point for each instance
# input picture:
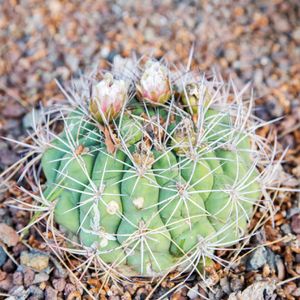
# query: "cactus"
(152, 175)
(143, 181)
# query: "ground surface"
(257, 41)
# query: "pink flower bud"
(154, 85)
(108, 98)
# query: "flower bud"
(154, 85)
(108, 98)
(194, 95)
(184, 137)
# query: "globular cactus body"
(165, 186)
(154, 182)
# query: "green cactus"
(146, 206)
(147, 190)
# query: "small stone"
(19, 248)
(59, 271)
(2, 275)
(266, 271)
(292, 211)
(40, 277)
(141, 293)
(256, 291)
(257, 259)
(59, 284)
(9, 266)
(296, 292)
(295, 224)
(281, 24)
(8, 235)
(13, 110)
(7, 283)
(72, 62)
(114, 298)
(237, 283)
(28, 276)
(193, 292)
(36, 292)
(31, 119)
(286, 229)
(3, 256)
(18, 292)
(289, 288)
(175, 296)
(231, 54)
(18, 278)
(271, 259)
(280, 268)
(37, 261)
(274, 108)
(7, 157)
(225, 285)
(219, 293)
(43, 285)
(69, 288)
(104, 52)
(296, 34)
(50, 294)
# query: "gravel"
(244, 40)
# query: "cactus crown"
(154, 175)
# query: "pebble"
(14, 110)
(218, 293)
(19, 292)
(50, 293)
(7, 283)
(286, 229)
(72, 62)
(40, 277)
(36, 292)
(256, 259)
(31, 119)
(274, 108)
(193, 292)
(69, 288)
(59, 271)
(271, 258)
(231, 54)
(224, 283)
(59, 284)
(280, 268)
(28, 276)
(3, 256)
(9, 266)
(290, 287)
(295, 224)
(292, 211)
(237, 283)
(18, 278)
(296, 34)
(296, 292)
(2, 275)
(7, 156)
(8, 235)
(35, 260)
